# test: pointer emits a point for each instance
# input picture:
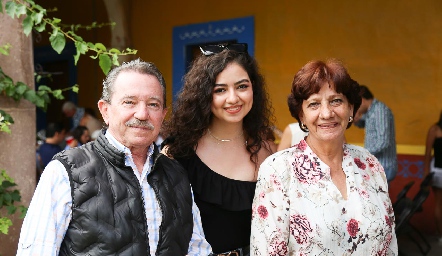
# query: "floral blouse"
(297, 209)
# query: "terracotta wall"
(393, 47)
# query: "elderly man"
(117, 195)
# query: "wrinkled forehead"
(126, 85)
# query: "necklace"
(223, 140)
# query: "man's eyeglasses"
(208, 50)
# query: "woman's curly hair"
(191, 114)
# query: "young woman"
(219, 131)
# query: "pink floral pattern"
(353, 227)
(300, 228)
(302, 211)
(262, 211)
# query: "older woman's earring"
(350, 119)
(304, 127)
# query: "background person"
(81, 116)
(71, 110)
(90, 120)
(380, 135)
(80, 136)
(117, 195)
(219, 128)
(323, 196)
(434, 164)
(291, 136)
(55, 134)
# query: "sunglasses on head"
(208, 50)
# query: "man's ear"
(164, 113)
(103, 106)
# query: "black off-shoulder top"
(225, 205)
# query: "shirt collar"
(114, 142)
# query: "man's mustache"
(139, 123)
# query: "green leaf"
(20, 10)
(7, 118)
(100, 47)
(58, 94)
(39, 102)
(16, 196)
(115, 60)
(5, 223)
(75, 88)
(30, 96)
(22, 210)
(37, 17)
(105, 63)
(28, 23)
(44, 88)
(113, 50)
(21, 88)
(11, 209)
(8, 184)
(41, 27)
(7, 198)
(10, 91)
(10, 8)
(56, 21)
(81, 49)
(58, 41)
(4, 51)
(5, 128)
(76, 57)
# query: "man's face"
(135, 112)
(69, 113)
(60, 136)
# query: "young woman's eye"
(243, 86)
(219, 90)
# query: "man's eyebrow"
(128, 97)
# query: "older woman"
(323, 196)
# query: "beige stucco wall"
(17, 150)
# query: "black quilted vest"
(107, 206)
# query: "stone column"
(17, 150)
(117, 12)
